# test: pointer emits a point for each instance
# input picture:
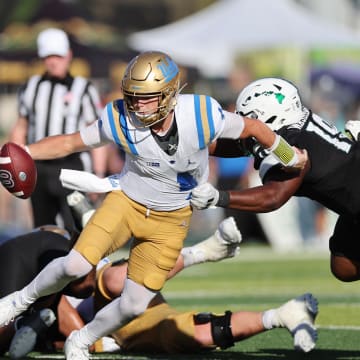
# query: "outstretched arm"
(268, 197)
(237, 126)
(275, 192)
(285, 154)
(257, 129)
(57, 146)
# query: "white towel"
(88, 182)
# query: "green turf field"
(258, 279)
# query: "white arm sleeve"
(234, 125)
(92, 135)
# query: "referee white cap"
(52, 42)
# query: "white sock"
(53, 278)
(84, 338)
(133, 301)
(24, 298)
(270, 319)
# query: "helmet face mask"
(274, 101)
(150, 74)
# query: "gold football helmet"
(151, 74)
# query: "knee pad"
(220, 328)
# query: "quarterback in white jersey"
(165, 137)
(165, 180)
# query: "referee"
(51, 104)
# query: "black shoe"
(29, 328)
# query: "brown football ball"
(17, 170)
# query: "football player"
(330, 177)
(165, 137)
(24, 257)
(163, 329)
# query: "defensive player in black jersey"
(22, 258)
(331, 176)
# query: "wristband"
(283, 152)
(224, 199)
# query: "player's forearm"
(57, 146)
(277, 145)
(257, 199)
(257, 129)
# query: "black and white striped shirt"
(54, 106)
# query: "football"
(17, 170)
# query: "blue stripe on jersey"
(125, 129)
(109, 111)
(119, 127)
(204, 120)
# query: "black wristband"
(224, 199)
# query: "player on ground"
(163, 329)
(165, 136)
(21, 259)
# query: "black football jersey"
(334, 177)
(23, 257)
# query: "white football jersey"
(150, 176)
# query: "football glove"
(204, 196)
(352, 129)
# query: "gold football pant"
(159, 329)
(158, 237)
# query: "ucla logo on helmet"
(169, 69)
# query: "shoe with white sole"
(222, 245)
(229, 236)
(298, 316)
(74, 349)
(29, 328)
(10, 308)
